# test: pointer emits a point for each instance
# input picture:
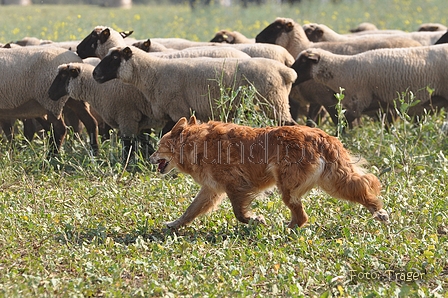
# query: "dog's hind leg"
(206, 200)
(292, 200)
(241, 206)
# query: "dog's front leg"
(206, 200)
(241, 206)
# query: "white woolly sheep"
(287, 33)
(24, 86)
(232, 37)
(321, 33)
(374, 79)
(178, 87)
(120, 105)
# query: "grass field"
(76, 226)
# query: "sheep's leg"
(57, 126)
(8, 129)
(81, 110)
(145, 142)
(314, 112)
(128, 144)
(241, 206)
(205, 201)
(29, 129)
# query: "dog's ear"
(192, 120)
(179, 126)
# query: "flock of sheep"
(110, 80)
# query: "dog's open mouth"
(163, 163)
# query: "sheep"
(320, 32)
(120, 105)
(287, 33)
(24, 86)
(99, 41)
(373, 79)
(148, 46)
(73, 113)
(232, 37)
(432, 27)
(290, 35)
(177, 87)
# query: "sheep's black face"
(273, 31)
(107, 69)
(87, 47)
(59, 86)
(223, 37)
(303, 66)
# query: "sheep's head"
(143, 45)
(304, 64)
(100, 35)
(108, 68)
(223, 36)
(314, 32)
(272, 32)
(59, 86)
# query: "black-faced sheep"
(432, 27)
(120, 105)
(178, 87)
(374, 79)
(232, 37)
(290, 35)
(28, 73)
(99, 41)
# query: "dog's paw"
(381, 215)
(259, 219)
(172, 224)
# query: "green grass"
(82, 226)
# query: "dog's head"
(168, 154)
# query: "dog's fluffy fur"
(241, 161)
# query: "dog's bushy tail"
(347, 180)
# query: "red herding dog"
(242, 161)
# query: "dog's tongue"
(161, 164)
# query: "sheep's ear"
(289, 26)
(127, 53)
(125, 34)
(104, 36)
(192, 120)
(179, 126)
(314, 57)
(7, 46)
